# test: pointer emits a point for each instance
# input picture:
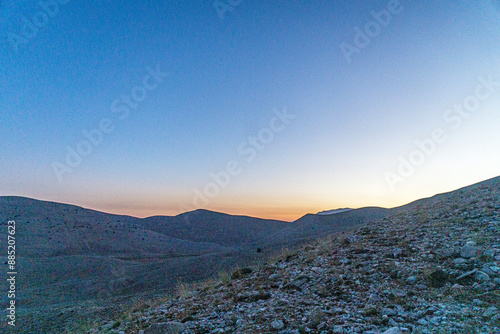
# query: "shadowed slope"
(208, 226)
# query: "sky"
(270, 109)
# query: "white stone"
(490, 312)
(277, 324)
(393, 330)
(482, 277)
(468, 251)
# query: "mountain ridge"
(70, 254)
(413, 202)
(433, 267)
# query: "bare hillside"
(432, 267)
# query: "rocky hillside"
(433, 268)
(76, 263)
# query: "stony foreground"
(433, 268)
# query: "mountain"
(313, 226)
(432, 266)
(83, 253)
(70, 257)
(56, 229)
(214, 227)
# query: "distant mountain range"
(68, 254)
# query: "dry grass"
(225, 276)
(82, 326)
(183, 289)
(281, 254)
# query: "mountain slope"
(312, 226)
(433, 267)
(208, 226)
(56, 229)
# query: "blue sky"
(226, 80)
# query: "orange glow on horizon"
(288, 208)
(283, 213)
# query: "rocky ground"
(434, 268)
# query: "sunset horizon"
(289, 213)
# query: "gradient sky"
(226, 80)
